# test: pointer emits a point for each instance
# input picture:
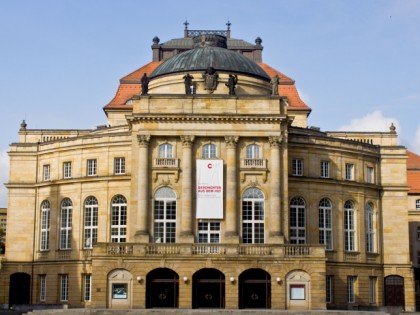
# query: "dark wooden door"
(20, 288)
(394, 291)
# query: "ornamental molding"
(143, 140)
(274, 141)
(187, 141)
(221, 118)
(231, 141)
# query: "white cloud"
(304, 97)
(4, 177)
(374, 121)
(416, 143)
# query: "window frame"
(164, 215)
(92, 167)
(42, 288)
(349, 171)
(370, 228)
(297, 167)
(297, 212)
(329, 289)
(119, 166)
(64, 287)
(46, 172)
(118, 219)
(351, 289)
(325, 223)
(90, 222)
(165, 151)
(44, 242)
(209, 151)
(349, 227)
(253, 216)
(208, 231)
(418, 204)
(253, 151)
(67, 170)
(370, 175)
(87, 287)
(372, 289)
(66, 224)
(325, 169)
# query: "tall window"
(370, 175)
(209, 232)
(253, 216)
(67, 169)
(351, 283)
(325, 223)
(119, 166)
(64, 288)
(418, 204)
(165, 151)
(349, 229)
(66, 224)
(372, 290)
(209, 151)
(165, 216)
(42, 288)
(253, 151)
(91, 167)
(90, 234)
(46, 172)
(325, 169)
(370, 228)
(118, 219)
(329, 288)
(45, 225)
(297, 221)
(297, 167)
(349, 171)
(87, 287)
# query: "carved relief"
(274, 141)
(231, 141)
(143, 140)
(187, 141)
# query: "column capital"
(274, 141)
(187, 141)
(143, 140)
(231, 141)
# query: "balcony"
(253, 167)
(208, 250)
(163, 167)
(254, 163)
(165, 163)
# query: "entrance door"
(208, 289)
(20, 288)
(394, 291)
(254, 289)
(162, 288)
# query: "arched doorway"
(20, 288)
(254, 289)
(162, 288)
(394, 291)
(208, 289)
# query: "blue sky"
(356, 63)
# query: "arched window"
(349, 228)
(325, 223)
(209, 151)
(66, 224)
(118, 219)
(45, 225)
(90, 234)
(253, 216)
(253, 151)
(165, 151)
(297, 221)
(370, 228)
(164, 216)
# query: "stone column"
(231, 191)
(142, 233)
(186, 235)
(275, 193)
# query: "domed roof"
(209, 52)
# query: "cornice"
(201, 117)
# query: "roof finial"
(186, 28)
(23, 125)
(228, 24)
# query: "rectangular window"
(45, 229)
(64, 288)
(297, 167)
(329, 288)
(370, 232)
(370, 175)
(325, 169)
(42, 288)
(372, 290)
(67, 169)
(119, 166)
(418, 204)
(349, 171)
(46, 172)
(87, 287)
(325, 227)
(91, 167)
(351, 283)
(208, 232)
(349, 232)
